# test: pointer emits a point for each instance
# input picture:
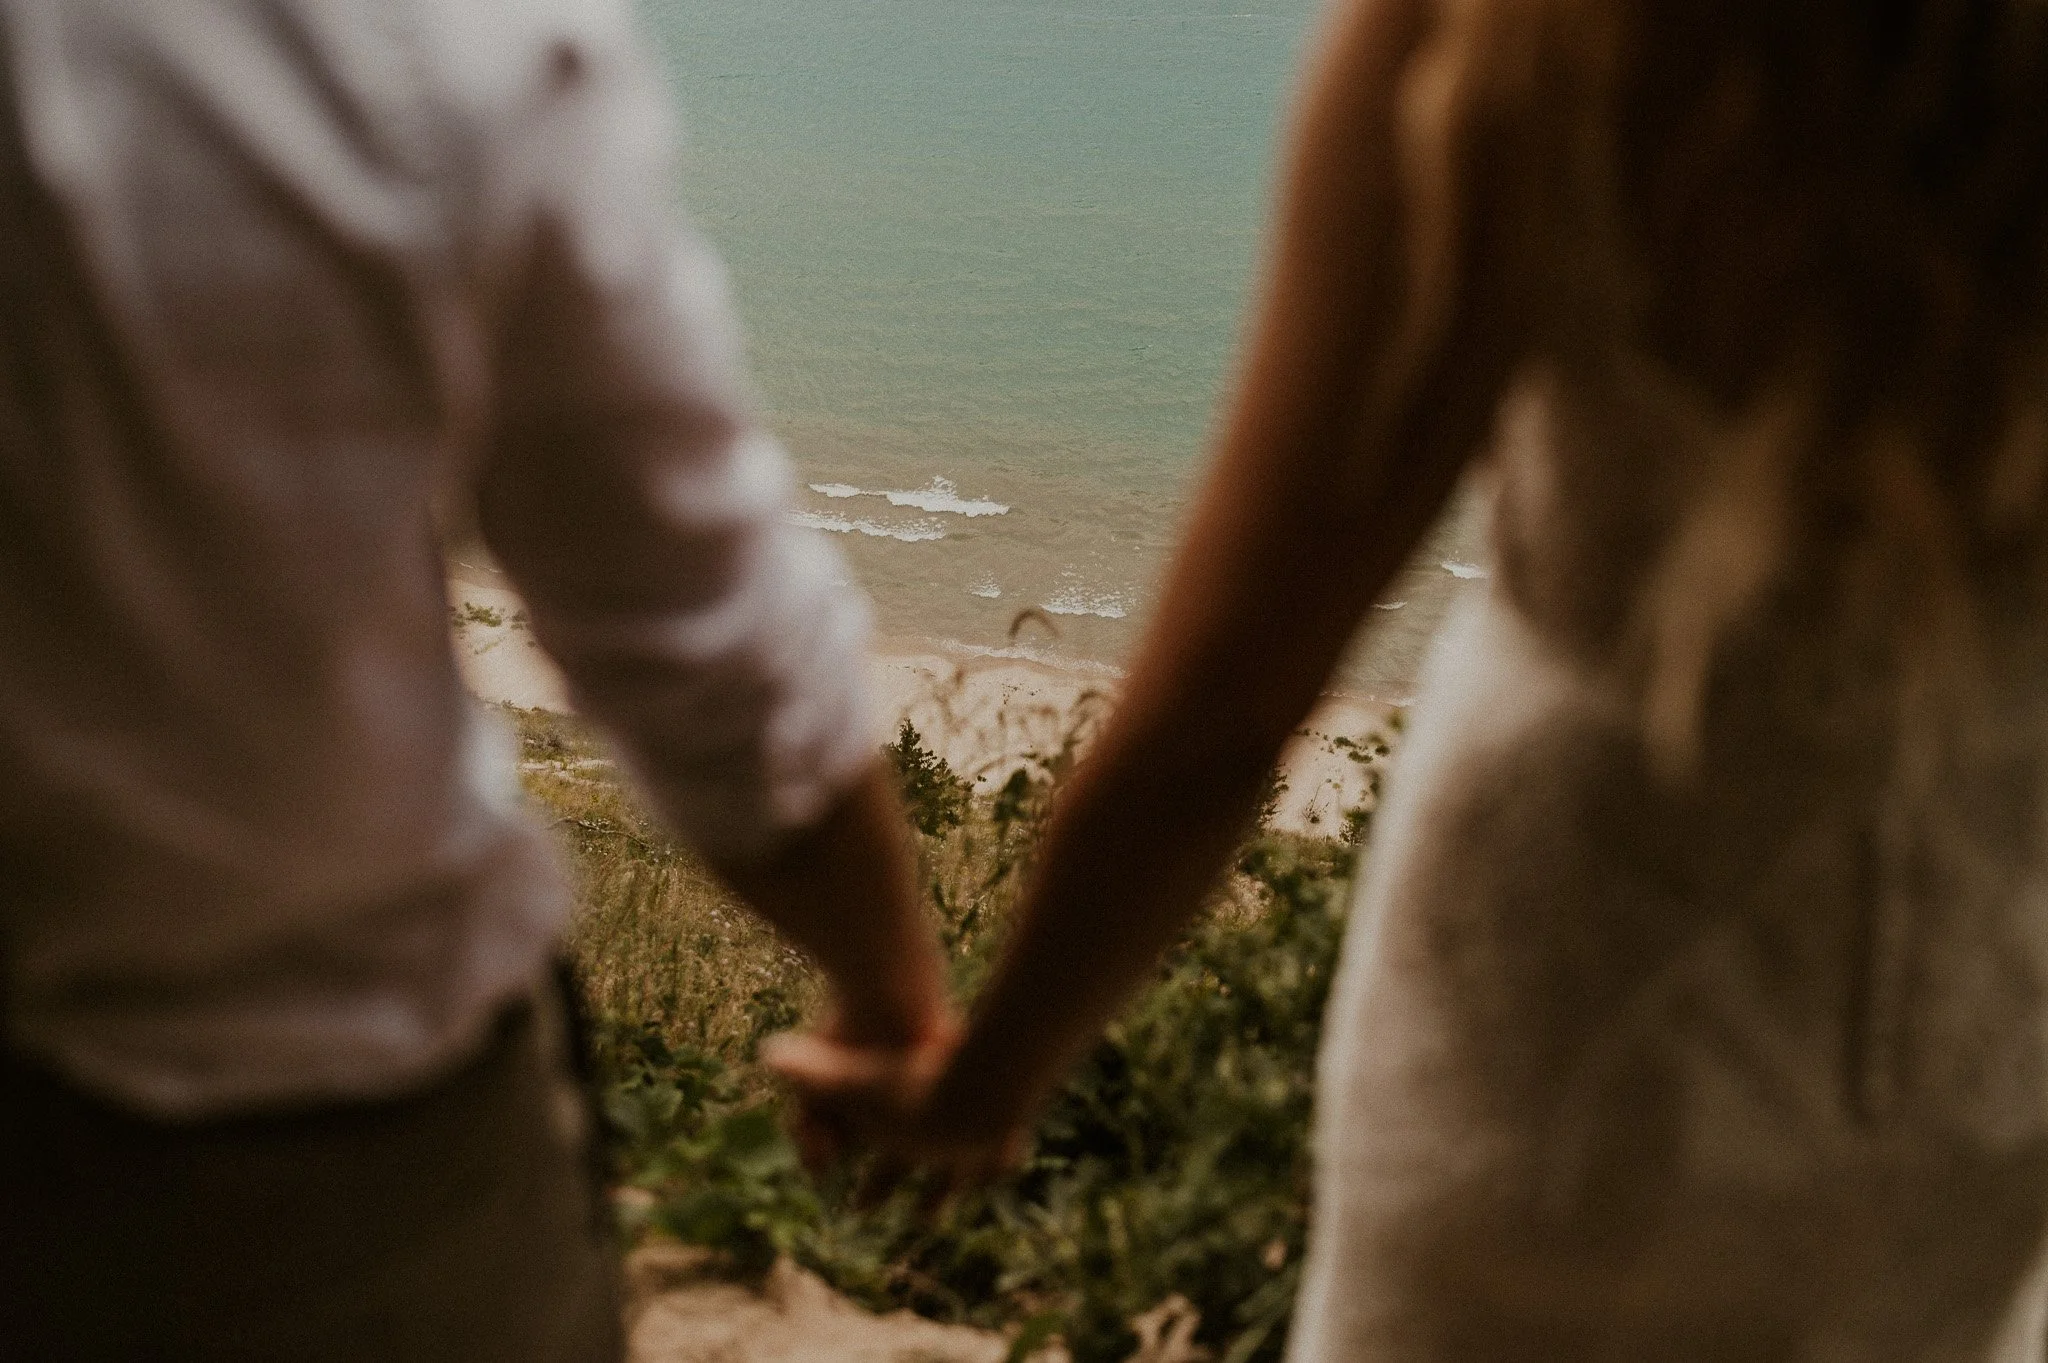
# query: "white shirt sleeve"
(631, 492)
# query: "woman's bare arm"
(1355, 413)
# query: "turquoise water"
(992, 258)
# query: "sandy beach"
(986, 711)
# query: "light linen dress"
(1737, 1058)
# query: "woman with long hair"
(1695, 1004)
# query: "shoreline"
(985, 710)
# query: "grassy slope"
(1175, 1161)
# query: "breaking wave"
(915, 532)
(1074, 601)
(941, 496)
(1044, 658)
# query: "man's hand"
(844, 891)
(906, 1104)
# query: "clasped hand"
(912, 1107)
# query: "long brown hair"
(1829, 220)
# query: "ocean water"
(992, 259)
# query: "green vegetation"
(1174, 1161)
(935, 798)
(470, 613)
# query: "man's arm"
(843, 891)
(641, 508)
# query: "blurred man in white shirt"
(275, 276)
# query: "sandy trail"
(677, 1311)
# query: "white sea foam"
(1043, 657)
(1074, 601)
(941, 496)
(1467, 571)
(1388, 605)
(986, 589)
(915, 532)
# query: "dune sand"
(984, 710)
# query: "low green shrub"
(1174, 1160)
(934, 796)
(470, 613)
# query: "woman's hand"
(909, 1105)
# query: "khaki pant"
(452, 1224)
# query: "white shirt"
(275, 276)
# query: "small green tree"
(935, 795)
